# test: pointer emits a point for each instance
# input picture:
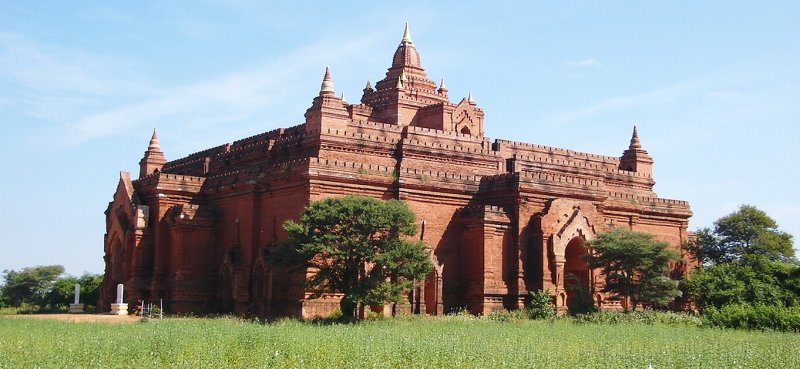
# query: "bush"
(752, 280)
(502, 316)
(461, 314)
(647, 317)
(743, 316)
(540, 306)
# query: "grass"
(413, 342)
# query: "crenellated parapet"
(190, 215)
(193, 163)
(486, 214)
(647, 205)
(456, 138)
(509, 149)
(233, 178)
(157, 179)
(349, 134)
(529, 161)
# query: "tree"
(62, 292)
(745, 260)
(747, 231)
(752, 280)
(634, 265)
(29, 285)
(90, 289)
(356, 246)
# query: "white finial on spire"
(469, 98)
(399, 83)
(343, 99)
(406, 35)
(368, 86)
(442, 86)
(327, 83)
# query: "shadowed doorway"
(576, 272)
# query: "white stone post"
(76, 307)
(119, 308)
(120, 288)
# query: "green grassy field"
(416, 342)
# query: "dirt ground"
(81, 318)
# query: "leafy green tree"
(29, 285)
(635, 266)
(62, 292)
(747, 231)
(745, 260)
(357, 246)
(90, 289)
(751, 280)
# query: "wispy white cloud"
(588, 62)
(717, 85)
(617, 103)
(102, 104)
(724, 94)
(48, 69)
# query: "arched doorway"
(576, 272)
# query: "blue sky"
(714, 88)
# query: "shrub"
(647, 317)
(540, 305)
(374, 315)
(461, 314)
(501, 316)
(582, 303)
(336, 314)
(743, 316)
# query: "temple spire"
(406, 35)
(154, 146)
(635, 158)
(368, 87)
(327, 84)
(406, 54)
(153, 159)
(470, 99)
(635, 144)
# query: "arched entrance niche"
(576, 271)
(567, 226)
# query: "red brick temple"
(501, 217)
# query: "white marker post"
(76, 307)
(119, 308)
